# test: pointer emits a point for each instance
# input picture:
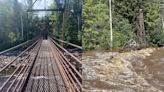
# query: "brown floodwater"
(102, 85)
(154, 69)
(149, 68)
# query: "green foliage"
(72, 25)
(96, 26)
(154, 31)
(96, 22)
(11, 12)
(122, 32)
(8, 23)
(12, 37)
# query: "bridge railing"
(11, 53)
(71, 44)
(71, 69)
(65, 42)
(27, 43)
(22, 64)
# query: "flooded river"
(154, 69)
(135, 71)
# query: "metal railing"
(71, 73)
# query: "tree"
(154, 30)
(11, 12)
(96, 26)
(70, 29)
(134, 19)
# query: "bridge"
(41, 65)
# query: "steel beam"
(41, 10)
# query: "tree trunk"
(141, 29)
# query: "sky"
(40, 4)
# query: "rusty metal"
(57, 72)
(48, 68)
(17, 72)
(15, 47)
(19, 86)
(9, 78)
(66, 51)
(18, 56)
(71, 44)
(18, 75)
(67, 61)
(68, 70)
(61, 70)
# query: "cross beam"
(40, 10)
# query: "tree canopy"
(15, 26)
(66, 24)
(18, 25)
(125, 23)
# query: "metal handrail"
(79, 61)
(17, 46)
(71, 44)
(18, 56)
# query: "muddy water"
(154, 69)
(135, 71)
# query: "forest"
(125, 17)
(84, 23)
(69, 22)
(17, 25)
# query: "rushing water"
(136, 71)
(154, 71)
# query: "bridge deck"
(45, 76)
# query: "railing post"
(63, 34)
